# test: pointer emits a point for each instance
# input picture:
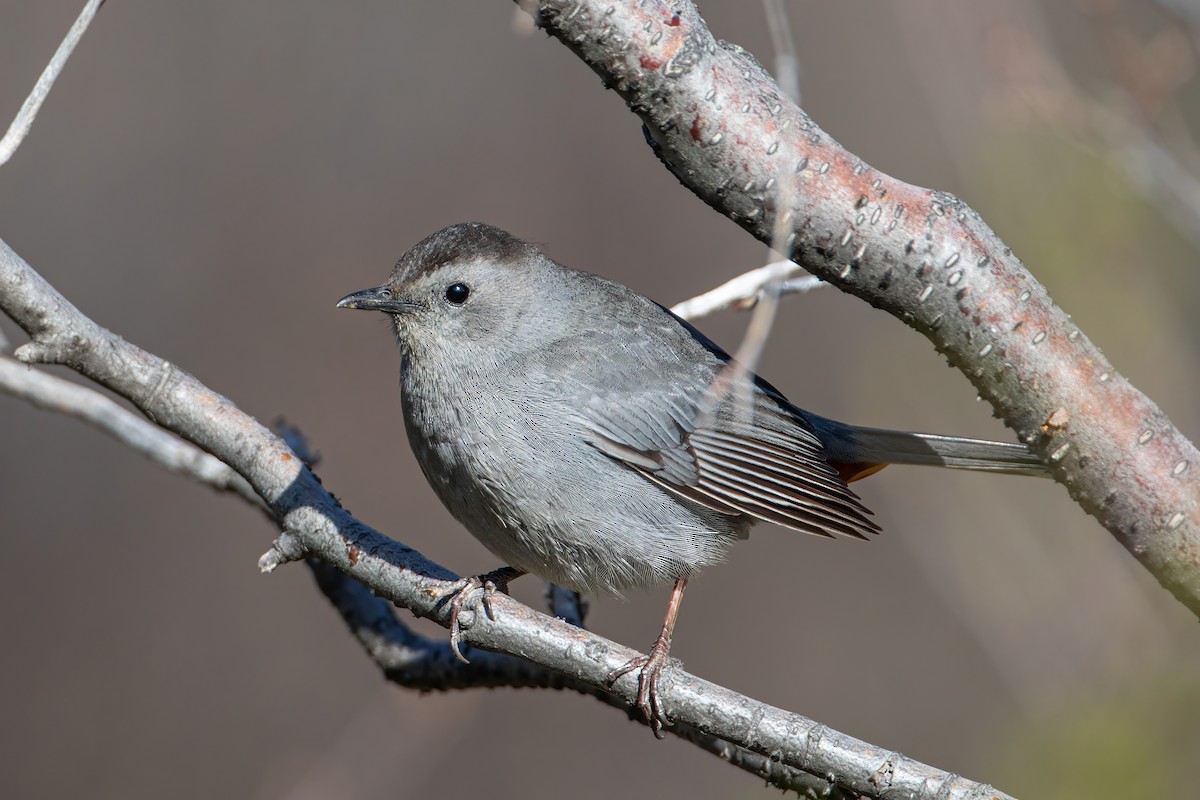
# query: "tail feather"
(955, 452)
(850, 444)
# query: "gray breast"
(515, 467)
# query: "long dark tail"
(858, 452)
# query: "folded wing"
(763, 460)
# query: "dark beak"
(377, 299)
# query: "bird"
(585, 434)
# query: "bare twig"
(725, 130)
(1037, 83)
(165, 449)
(24, 119)
(787, 65)
(745, 290)
(736, 377)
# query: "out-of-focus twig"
(1117, 126)
(787, 65)
(165, 449)
(29, 109)
(735, 379)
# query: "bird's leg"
(490, 582)
(652, 666)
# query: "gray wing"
(764, 462)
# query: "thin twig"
(165, 449)
(24, 119)
(745, 290)
(787, 65)
(736, 378)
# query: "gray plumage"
(573, 427)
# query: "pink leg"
(652, 666)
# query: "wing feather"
(766, 463)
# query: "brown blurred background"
(208, 178)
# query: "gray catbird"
(587, 435)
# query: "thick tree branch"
(316, 524)
(721, 125)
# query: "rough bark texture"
(721, 125)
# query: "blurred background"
(208, 178)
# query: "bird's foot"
(489, 583)
(650, 669)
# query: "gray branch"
(418, 662)
(722, 126)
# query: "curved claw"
(466, 587)
(490, 583)
(650, 669)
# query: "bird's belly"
(556, 507)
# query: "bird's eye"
(384, 294)
(457, 293)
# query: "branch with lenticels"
(724, 128)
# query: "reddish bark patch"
(649, 62)
(674, 23)
(353, 553)
(695, 129)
